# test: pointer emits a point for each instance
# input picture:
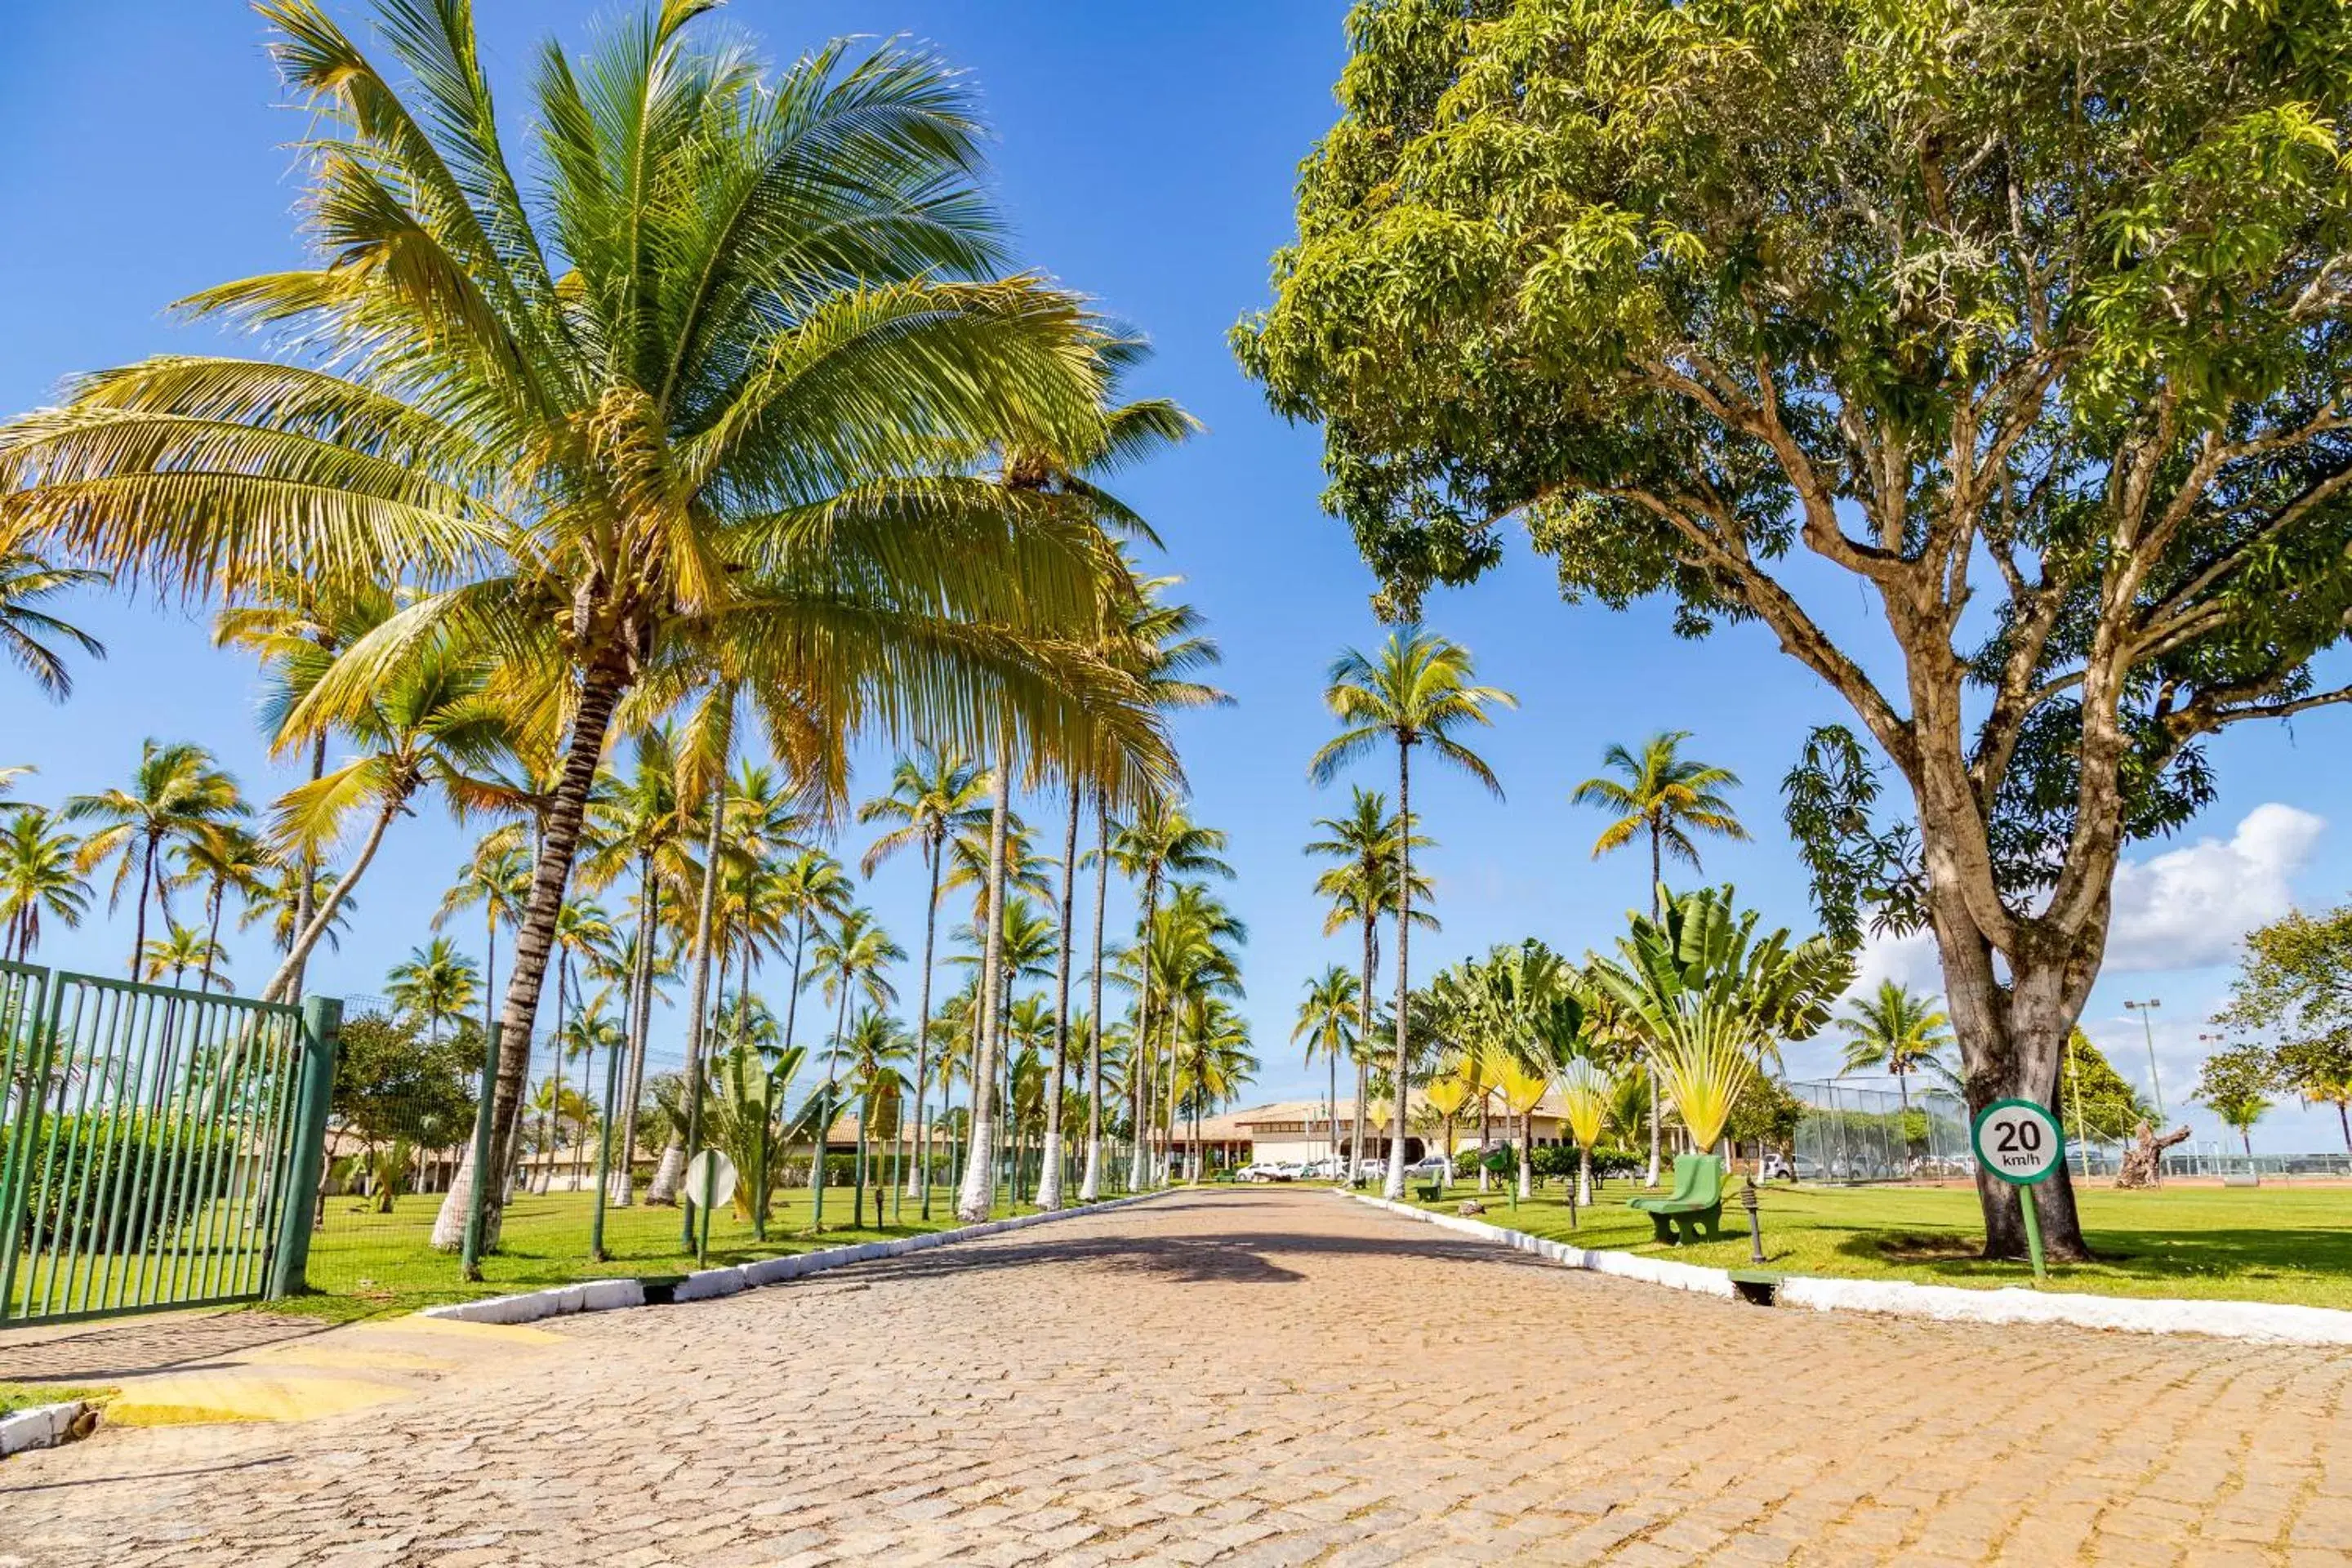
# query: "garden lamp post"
(2148, 1030)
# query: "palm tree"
(1360, 887)
(433, 723)
(1183, 958)
(496, 878)
(1899, 1031)
(176, 794)
(1417, 690)
(289, 622)
(1160, 842)
(850, 962)
(637, 824)
(225, 858)
(876, 1046)
(433, 985)
(285, 903)
(1666, 795)
(27, 634)
(934, 797)
(1327, 1022)
(813, 891)
(1159, 641)
(1213, 1065)
(179, 950)
(721, 411)
(37, 877)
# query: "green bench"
(1693, 1210)
(1429, 1192)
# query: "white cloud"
(2186, 908)
(2183, 908)
(1909, 960)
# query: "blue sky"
(1145, 156)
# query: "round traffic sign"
(2019, 1141)
(709, 1179)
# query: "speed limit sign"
(2018, 1141)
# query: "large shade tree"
(2024, 322)
(698, 395)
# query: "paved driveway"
(1260, 1377)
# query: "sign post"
(710, 1180)
(2020, 1142)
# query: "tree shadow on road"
(1250, 1252)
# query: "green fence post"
(322, 1028)
(479, 1196)
(605, 1155)
(30, 1049)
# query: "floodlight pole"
(2155, 1085)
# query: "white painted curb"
(708, 1284)
(45, 1426)
(2259, 1322)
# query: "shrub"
(115, 1179)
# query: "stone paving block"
(1224, 1378)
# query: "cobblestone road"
(1252, 1378)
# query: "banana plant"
(744, 1114)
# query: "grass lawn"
(15, 1396)
(2268, 1244)
(364, 1264)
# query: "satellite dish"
(709, 1179)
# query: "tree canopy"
(2025, 321)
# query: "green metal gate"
(158, 1147)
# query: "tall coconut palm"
(707, 386)
(284, 904)
(815, 893)
(1160, 842)
(432, 724)
(852, 961)
(435, 985)
(176, 794)
(29, 635)
(1419, 690)
(1157, 639)
(1665, 796)
(1211, 1066)
(1363, 844)
(177, 951)
(289, 621)
(1328, 1020)
(876, 1046)
(224, 858)
(934, 797)
(38, 878)
(496, 878)
(1899, 1031)
(637, 826)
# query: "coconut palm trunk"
(559, 842)
(919, 1181)
(1356, 1150)
(1139, 1168)
(698, 989)
(1090, 1185)
(979, 1193)
(640, 1016)
(290, 973)
(1649, 1063)
(1394, 1189)
(1049, 1180)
